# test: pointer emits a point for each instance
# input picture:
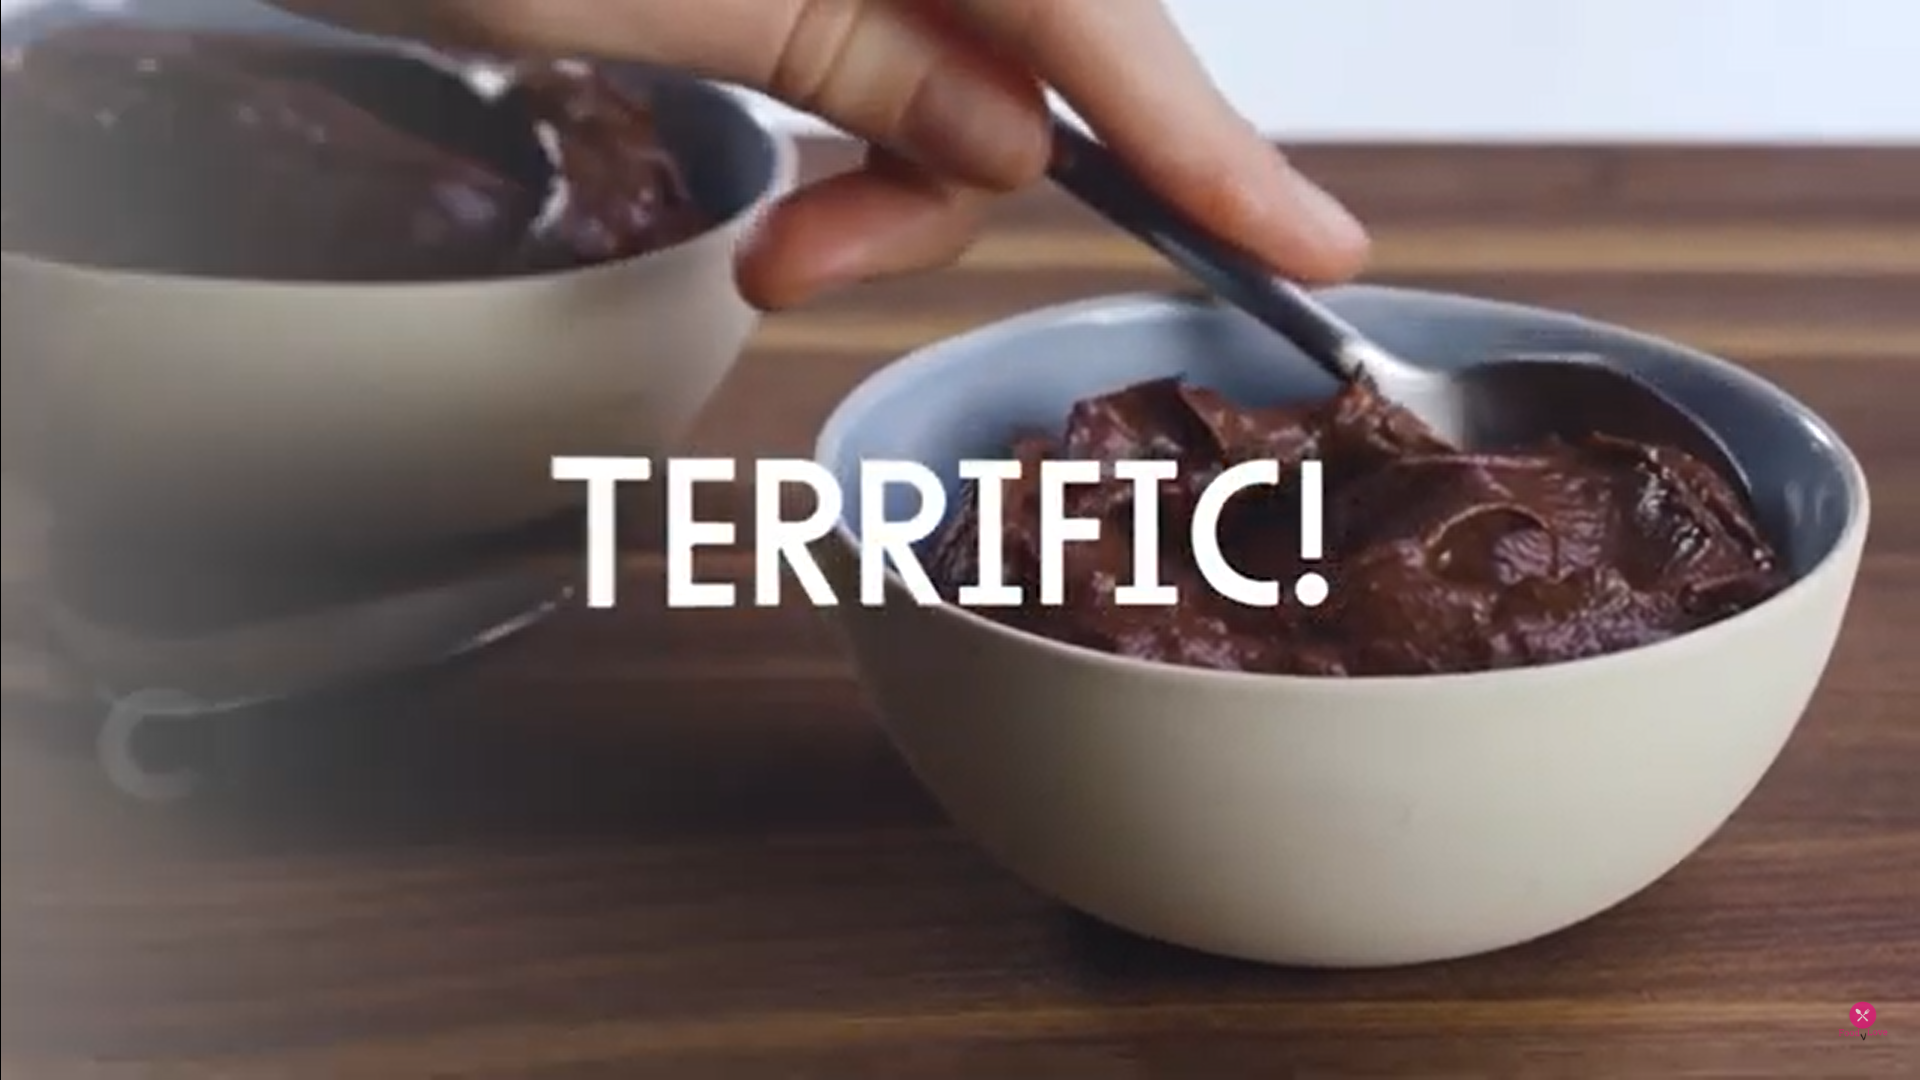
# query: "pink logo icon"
(1862, 1016)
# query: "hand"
(947, 93)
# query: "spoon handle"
(1092, 174)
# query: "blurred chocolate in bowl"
(297, 325)
(261, 157)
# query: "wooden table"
(635, 844)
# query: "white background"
(1554, 70)
(1565, 70)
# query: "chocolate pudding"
(1440, 561)
(261, 157)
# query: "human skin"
(948, 96)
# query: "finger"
(1129, 72)
(896, 73)
(888, 217)
(893, 72)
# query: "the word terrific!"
(888, 541)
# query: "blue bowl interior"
(729, 160)
(969, 397)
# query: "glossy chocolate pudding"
(1439, 561)
(260, 157)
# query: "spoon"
(1497, 404)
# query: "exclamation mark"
(1311, 590)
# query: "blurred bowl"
(1325, 821)
(373, 415)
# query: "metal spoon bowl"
(1524, 395)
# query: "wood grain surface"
(637, 844)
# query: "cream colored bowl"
(374, 415)
(1335, 822)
